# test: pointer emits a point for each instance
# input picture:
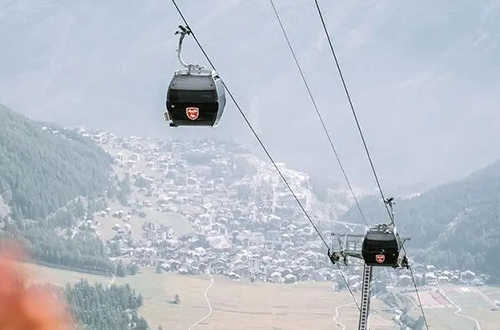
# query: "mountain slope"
(423, 76)
(43, 167)
(454, 225)
(44, 170)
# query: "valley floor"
(245, 305)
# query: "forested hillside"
(45, 171)
(43, 168)
(456, 224)
(94, 307)
(121, 302)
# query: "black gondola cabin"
(195, 98)
(381, 247)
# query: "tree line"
(44, 167)
(95, 307)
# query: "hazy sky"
(423, 76)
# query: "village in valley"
(200, 206)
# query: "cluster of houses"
(433, 276)
(245, 223)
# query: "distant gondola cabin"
(381, 247)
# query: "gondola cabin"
(195, 98)
(381, 247)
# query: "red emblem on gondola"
(380, 258)
(192, 113)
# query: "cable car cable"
(255, 133)
(317, 110)
(364, 143)
(352, 109)
(348, 287)
(415, 283)
(266, 151)
(418, 297)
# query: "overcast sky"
(423, 76)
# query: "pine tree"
(142, 324)
(79, 209)
(158, 268)
(120, 269)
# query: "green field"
(236, 304)
(245, 305)
(474, 304)
(491, 293)
(180, 224)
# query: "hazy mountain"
(44, 167)
(44, 172)
(422, 74)
(455, 224)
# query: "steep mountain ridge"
(43, 167)
(45, 170)
(455, 224)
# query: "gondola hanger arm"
(183, 31)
